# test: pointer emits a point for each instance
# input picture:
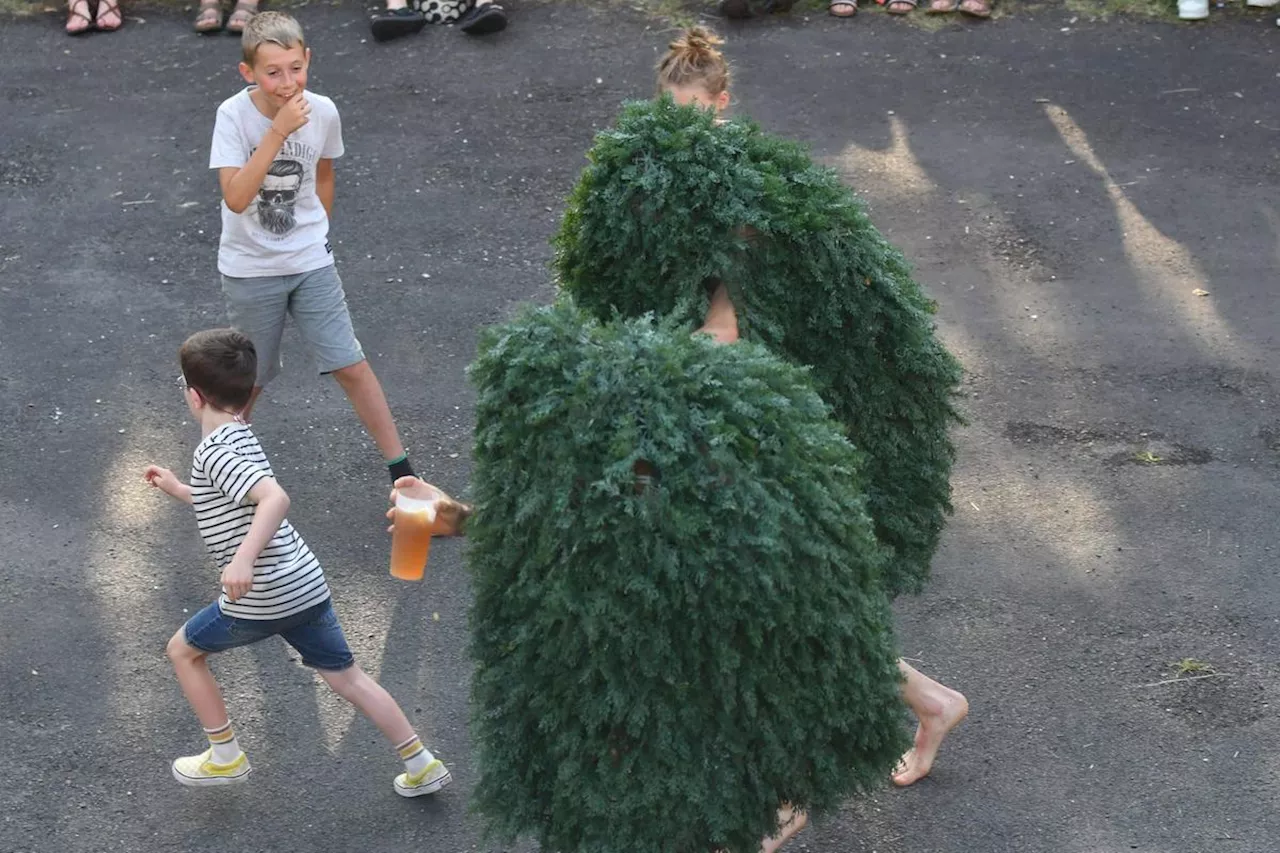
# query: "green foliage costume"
(662, 659)
(673, 202)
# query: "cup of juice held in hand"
(411, 539)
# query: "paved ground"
(1064, 191)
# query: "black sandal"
(483, 19)
(740, 10)
(395, 23)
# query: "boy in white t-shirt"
(274, 145)
(272, 585)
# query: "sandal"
(900, 7)
(850, 5)
(483, 19)
(394, 23)
(75, 15)
(209, 18)
(943, 7)
(108, 7)
(976, 8)
(241, 15)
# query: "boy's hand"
(166, 481)
(237, 579)
(293, 115)
(450, 514)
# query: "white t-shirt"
(285, 231)
(287, 577)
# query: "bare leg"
(246, 414)
(197, 682)
(365, 393)
(939, 710)
(790, 822)
(372, 700)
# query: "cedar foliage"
(678, 619)
(672, 203)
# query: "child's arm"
(324, 184)
(167, 482)
(273, 505)
(722, 320)
(240, 185)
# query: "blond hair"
(692, 60)
(270, 28)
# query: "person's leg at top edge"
(396, 20)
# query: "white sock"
(226, 748)
(415, 756)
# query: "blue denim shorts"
(314, 632)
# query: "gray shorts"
(258, 306)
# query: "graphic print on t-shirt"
(273, 212)
(277, 196)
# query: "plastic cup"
(411, 539)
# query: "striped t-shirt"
(287, 578)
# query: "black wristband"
(400, 468)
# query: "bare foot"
(78, 20)
(790, 822)
(939, 710)
(109, 17)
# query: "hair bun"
(697, 42)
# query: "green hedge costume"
(674, 202)
(679, 619)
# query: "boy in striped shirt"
(271, 582)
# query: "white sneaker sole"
(426, 787)
(211, 781)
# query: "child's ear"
(246, 72)
(722, 101)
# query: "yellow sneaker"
(432, 778)
(199, 771)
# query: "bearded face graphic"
(277, 196)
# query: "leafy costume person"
(679, 620)
(679, 208)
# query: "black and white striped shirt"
(287, 578)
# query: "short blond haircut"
(270, 28)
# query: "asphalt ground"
(1065, 190)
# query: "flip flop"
(975, 8)
(895, 7)
(851, 4)
(483, 19)
(394, 23)
(74, 14)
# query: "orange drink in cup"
(411, 539)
